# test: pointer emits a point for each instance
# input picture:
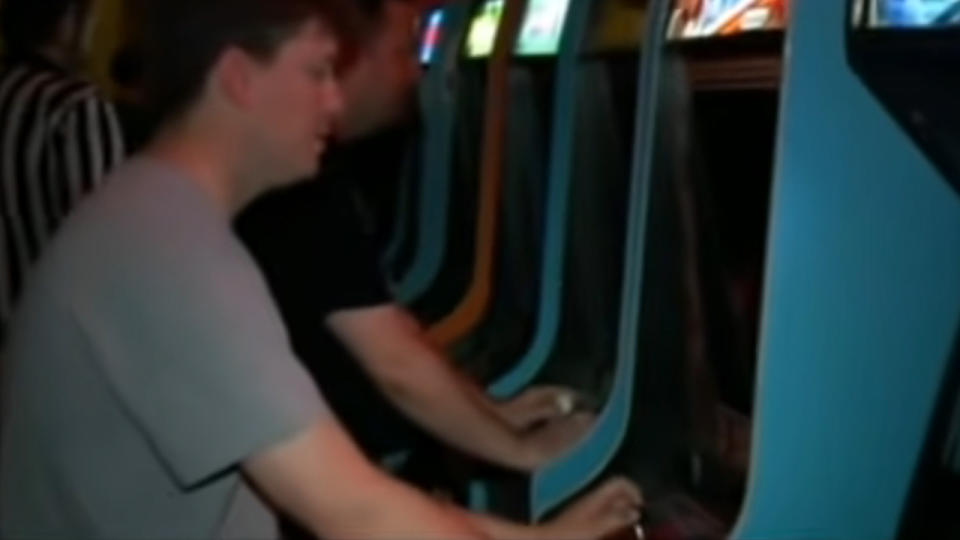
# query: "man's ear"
(235, 76)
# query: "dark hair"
(182, 39)
(30, 24)
(369, 18)
(373, 10)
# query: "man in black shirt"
(370, 356)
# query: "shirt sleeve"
(311, 246)
(194, 351)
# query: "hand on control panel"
(548, 441)
(614, 506)
(539, 405)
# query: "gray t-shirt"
(146, 362)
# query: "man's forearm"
(499, 529)
(454, 409)
(426, 387)
(392, 510)
(320, 479)
(606, 510)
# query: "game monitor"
(542, 27)
(907, 51)
(483, 29)
(913, 13)
(711, 18)
(431, 36)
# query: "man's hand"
(546, 443)
(613, 506)
(422, 384)
(537, 405)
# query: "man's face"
(294, 102)
(379, 85)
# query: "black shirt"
(317, 257)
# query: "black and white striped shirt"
(58, 138)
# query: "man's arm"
(392, 348)
(613, 506)
(322, 480)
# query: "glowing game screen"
(915, 13)
(708, 18)
(483, 29)
(431, 36)
(542, 27)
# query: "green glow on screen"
(542, 27)
(483, 29)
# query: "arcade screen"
(708, 18)
(542, 27)
(483, 29)
(914, 13)
(431, 36)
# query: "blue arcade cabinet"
(851, 427)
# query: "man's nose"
(333, 100)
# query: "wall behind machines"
(107, 35)
(862, 304)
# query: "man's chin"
(312, 167)
(307, 174)
(303, 174)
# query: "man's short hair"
(369, 19)
(183, 39)
(373, 10)
(28, 25)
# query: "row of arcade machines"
(556, 165)
(748, 260)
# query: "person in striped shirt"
(58, 135)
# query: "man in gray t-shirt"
(183, 368)
(149, 384)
